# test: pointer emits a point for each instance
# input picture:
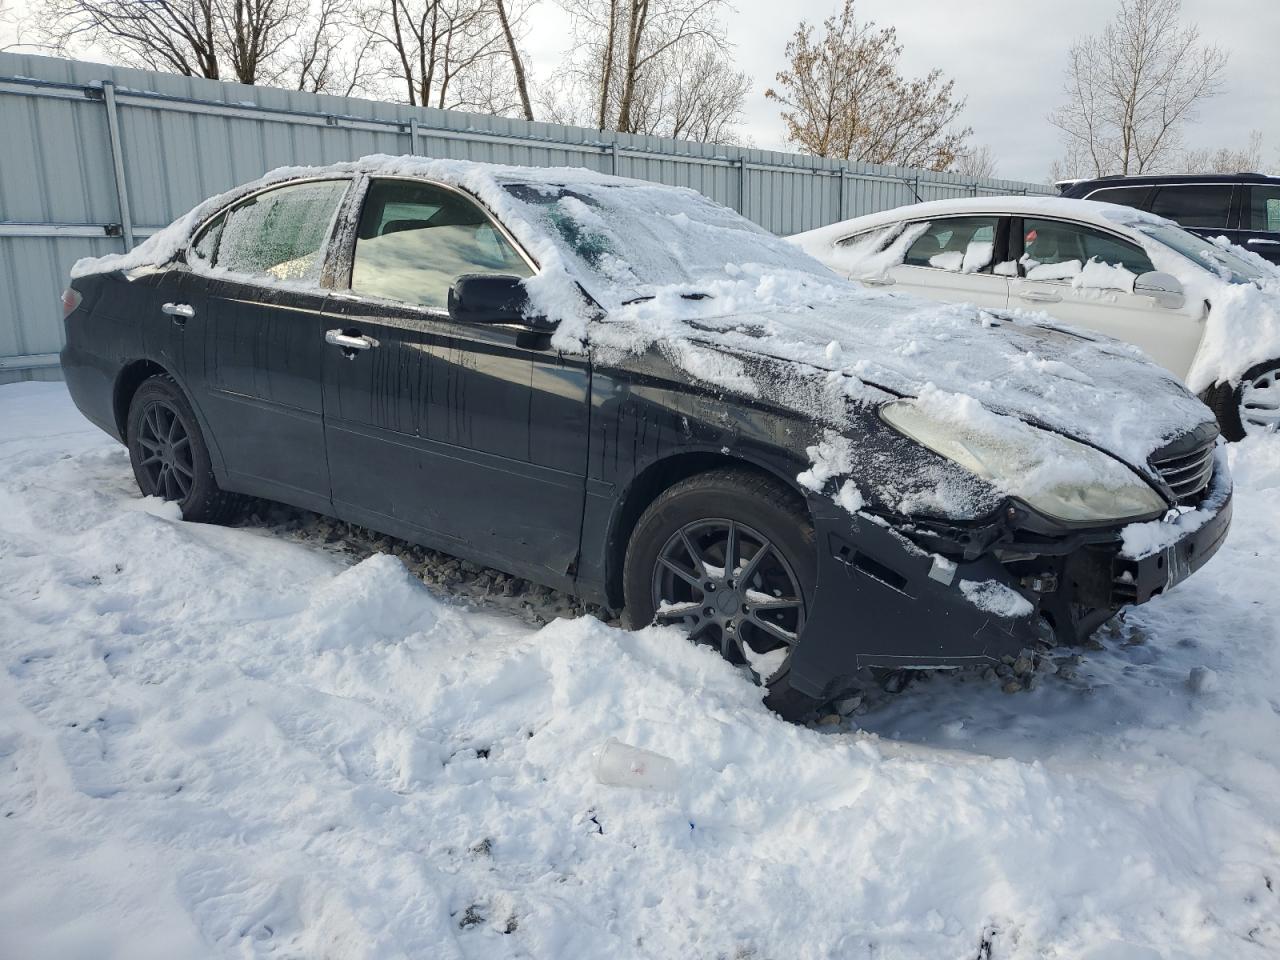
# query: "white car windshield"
(1205, 254)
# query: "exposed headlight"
(1049, 472)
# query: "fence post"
(842, 211)
(613, 151)
(413, 136)
(742, 185)
(117, 160)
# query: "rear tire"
(730, 554)
(1240, 409)
(169, 456)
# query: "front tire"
(169, 456)
(730, 555)
(1253, 406)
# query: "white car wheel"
(1260, 401)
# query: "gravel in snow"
(250, 742)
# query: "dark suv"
(1243, 207)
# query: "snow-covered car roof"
(716, 294)
(1244, 319)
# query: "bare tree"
(976, 162)
(630, 58)
(843, 96)
(10, 29)
(442, 53)
(307, 44)
(181, 36)
(1132, 88)
(509, 22)
(703, 98)
(333, 55)
(1226, 159)
(255, 32)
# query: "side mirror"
(493, 298)
(1163, 288)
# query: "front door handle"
(1040, 296)
(179, 311)
(876, 281)
(349, 341)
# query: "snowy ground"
(237, 742)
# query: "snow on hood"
(1097, 390)
(669, 269)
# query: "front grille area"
(1187, 472)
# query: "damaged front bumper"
(946, 596)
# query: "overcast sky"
(1007, 58)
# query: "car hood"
(1094, 389)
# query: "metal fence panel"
(181, 139)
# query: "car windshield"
(1204, 253)
(633, 239)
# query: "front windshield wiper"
(649, 296)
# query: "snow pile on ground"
(216, 742)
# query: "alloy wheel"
(1260, 401)
(733, 589)
(166, 460)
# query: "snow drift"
(218, 743)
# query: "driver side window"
(415, 239)
(1055, 250)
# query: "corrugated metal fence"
(94, 158)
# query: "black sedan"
(629, 392)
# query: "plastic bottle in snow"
(622, 765)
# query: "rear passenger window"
(279, 234)
(959, 244)
(1264, 210)
(415, 239)
(1194, 205)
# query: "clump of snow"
(995, 597)
(831, 457)
(1152, 536)
(1097, 275)
(1065, 270)
(1202, 680)
(622, 765)
(850, 497)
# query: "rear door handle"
(349, 341)
(876, 281)
(1259, 242)
(1040, 296)
(179, 311)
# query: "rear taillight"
(70, 300)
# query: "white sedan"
(1207, 311)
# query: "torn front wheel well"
(650, 484)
